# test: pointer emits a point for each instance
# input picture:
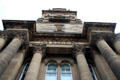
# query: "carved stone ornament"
(3, 35)
(39, 47)
(78, 49)
(99, 40)
(117, 37)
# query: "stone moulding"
(22, 34)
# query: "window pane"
(51, 67)
(66, 76)
(51, 77)
(51, 71)
(66, 73)
(65, 68)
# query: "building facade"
(58, 46)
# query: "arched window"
(51, 71)
(66, 73)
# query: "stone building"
(58, 46)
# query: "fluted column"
(33, 70)
(84, 71)
(102, 67)
(14, 66)
(110, 56)
(7, 54)
(2, 42)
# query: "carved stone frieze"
(58, 39)
(51, 40)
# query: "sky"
(88, 10)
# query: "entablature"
(58, 47)
(19, 24)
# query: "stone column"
(117, 46)
(2, 42)
(33, 70)
(84, 71)
(7, 54)
(116, 43)
(14, 66)
(103, 68)
(111, 57)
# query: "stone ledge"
(23, 34)
(98, 25)
(100, 35)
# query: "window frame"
(59, 69)
(49, 73)
(63, 73)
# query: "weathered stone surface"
(117, 46)
(14, 66)
(85, 73)
(59, 30)
(102, 67)
(33, 70)
(53, 27)
(7, 54)
(111, 57)
(116, 43)
(2, 42)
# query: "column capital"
(18, 37)
(117, 37)
(4, 36)
(78, 49)
(99, 40)
(39, 48)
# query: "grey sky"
(88, 10)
